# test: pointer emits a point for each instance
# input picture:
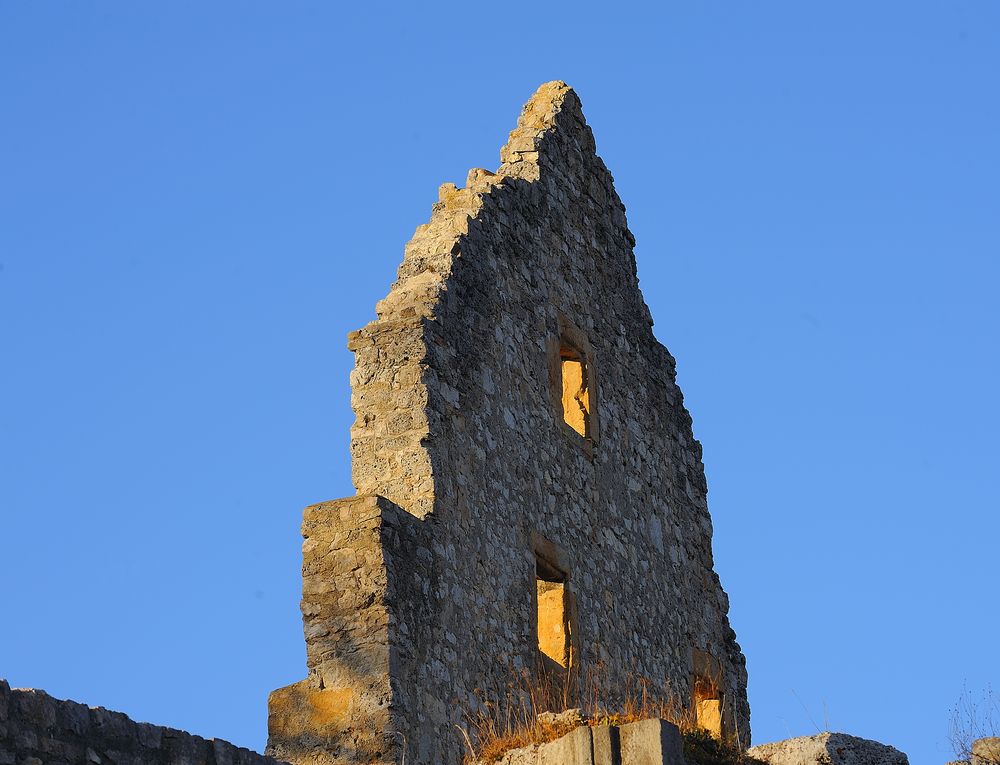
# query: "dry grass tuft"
(513, 723)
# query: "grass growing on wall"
(520, 721)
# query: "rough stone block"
(73, 717)
(607, 744)
(150, 736)
(527, 755)
(986, 751)
(35, 708)
(223, 752)
(25, 740)
(575, 748)
(183, 749)
(828, 749)
(110, 726)
(651, 742)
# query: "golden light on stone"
(575, 393)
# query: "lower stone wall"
(36, 729)
(646, 742)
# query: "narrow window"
(575, 391)
(708, 706)
(554, 633)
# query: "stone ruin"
(530, 512)
(531, 502)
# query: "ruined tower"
(530, 497)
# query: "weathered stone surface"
(986, 751)
(518, 298)
(607, 744)
(575, 748)
(359, 554)
(527, 755)
(41, 730)
(651, 742)
(828, 749)
(648, 742)
(566, 718)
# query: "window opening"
(575, 391)
(554, 633)
(708, 706)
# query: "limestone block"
(302, 718)
(575, 748)
(828, 749)
(607, 744)
(651, 742)
(986, 751)
(568, 718)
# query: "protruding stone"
(651, 742)
(568, 718)
(828, 749)
(986, 751)
(575, 748)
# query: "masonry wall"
(368, 600)
(459, 425)
(36, 729)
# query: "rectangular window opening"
(575, 390)
(554, 633)
(708, 706)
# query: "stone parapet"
(36, 729)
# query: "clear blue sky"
(199, 201)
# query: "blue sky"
(200, 200)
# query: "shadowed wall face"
(530, 491)
(36, 728)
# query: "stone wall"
(36, 729)
(645, 742)
(459, 426)
(367, 597)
